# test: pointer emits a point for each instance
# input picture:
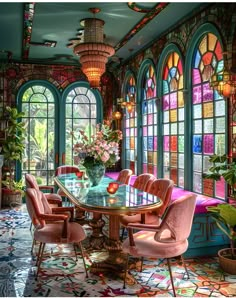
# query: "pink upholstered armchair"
(163, 189)
(124, 176)
(144, 181)
(53, 198)
(66, 170)
(54, 228)
(167, 240)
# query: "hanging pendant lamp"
(93, 52)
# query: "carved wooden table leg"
(96, 240)
(113, 260)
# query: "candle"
(114, 185)
(112, 200)
(79, 174)
(111, 190)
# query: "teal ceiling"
(60, 22)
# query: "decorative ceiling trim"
(29, 10)
(138, 8)
(145, 20)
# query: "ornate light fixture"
(128, 105)
(224, 82)
(116, 115)
(93, 52)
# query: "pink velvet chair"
(124, 176)
(168, 240)
(52, 202)
(162, 188)
(66, 170)
(144, 181)
(52, 228)
(53, 198)
(80, 214)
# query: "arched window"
(131, 126)
(53, 121)
(81, 114)
(149, 122)
(173, 119)
(38, 103)
(208, 113)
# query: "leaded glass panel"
(173, 125)
(209, 135)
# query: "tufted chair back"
(162, 188)
(124, 176)
(144, 181)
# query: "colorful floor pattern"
(17, 269)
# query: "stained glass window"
(208, 115)
(149, 122)
(173, 120)
(131, 127)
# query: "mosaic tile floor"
(17, 269)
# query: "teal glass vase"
(95, 173)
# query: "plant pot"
(11, 198)
(226, 261)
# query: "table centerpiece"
(97, 152)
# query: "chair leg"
(76, 258)
(141, 268)
(126, 269)
(171, 277)
(31, 225)
(82, 254)
(40, 260)
(33, 244)
(39, 253)
(183, 262)
(122, 234)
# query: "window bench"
(205, 238)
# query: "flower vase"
(95, 173)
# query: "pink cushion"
(51, 233)
(146, 245)
(202, 201)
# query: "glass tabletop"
(127, 198)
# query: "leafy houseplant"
(12, 150)
(225, 214)
(223, 168)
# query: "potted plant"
(225, 214)
(12, 150)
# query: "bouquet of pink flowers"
(101, 148)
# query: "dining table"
(99, 202)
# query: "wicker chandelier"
(93, 52)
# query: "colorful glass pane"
(208, 144)
(149, 119)
(130, 126)
(209, 135)
(197, 94)
(173, 116)
(173, 143)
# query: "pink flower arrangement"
(101, 148)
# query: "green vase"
(95, 173)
